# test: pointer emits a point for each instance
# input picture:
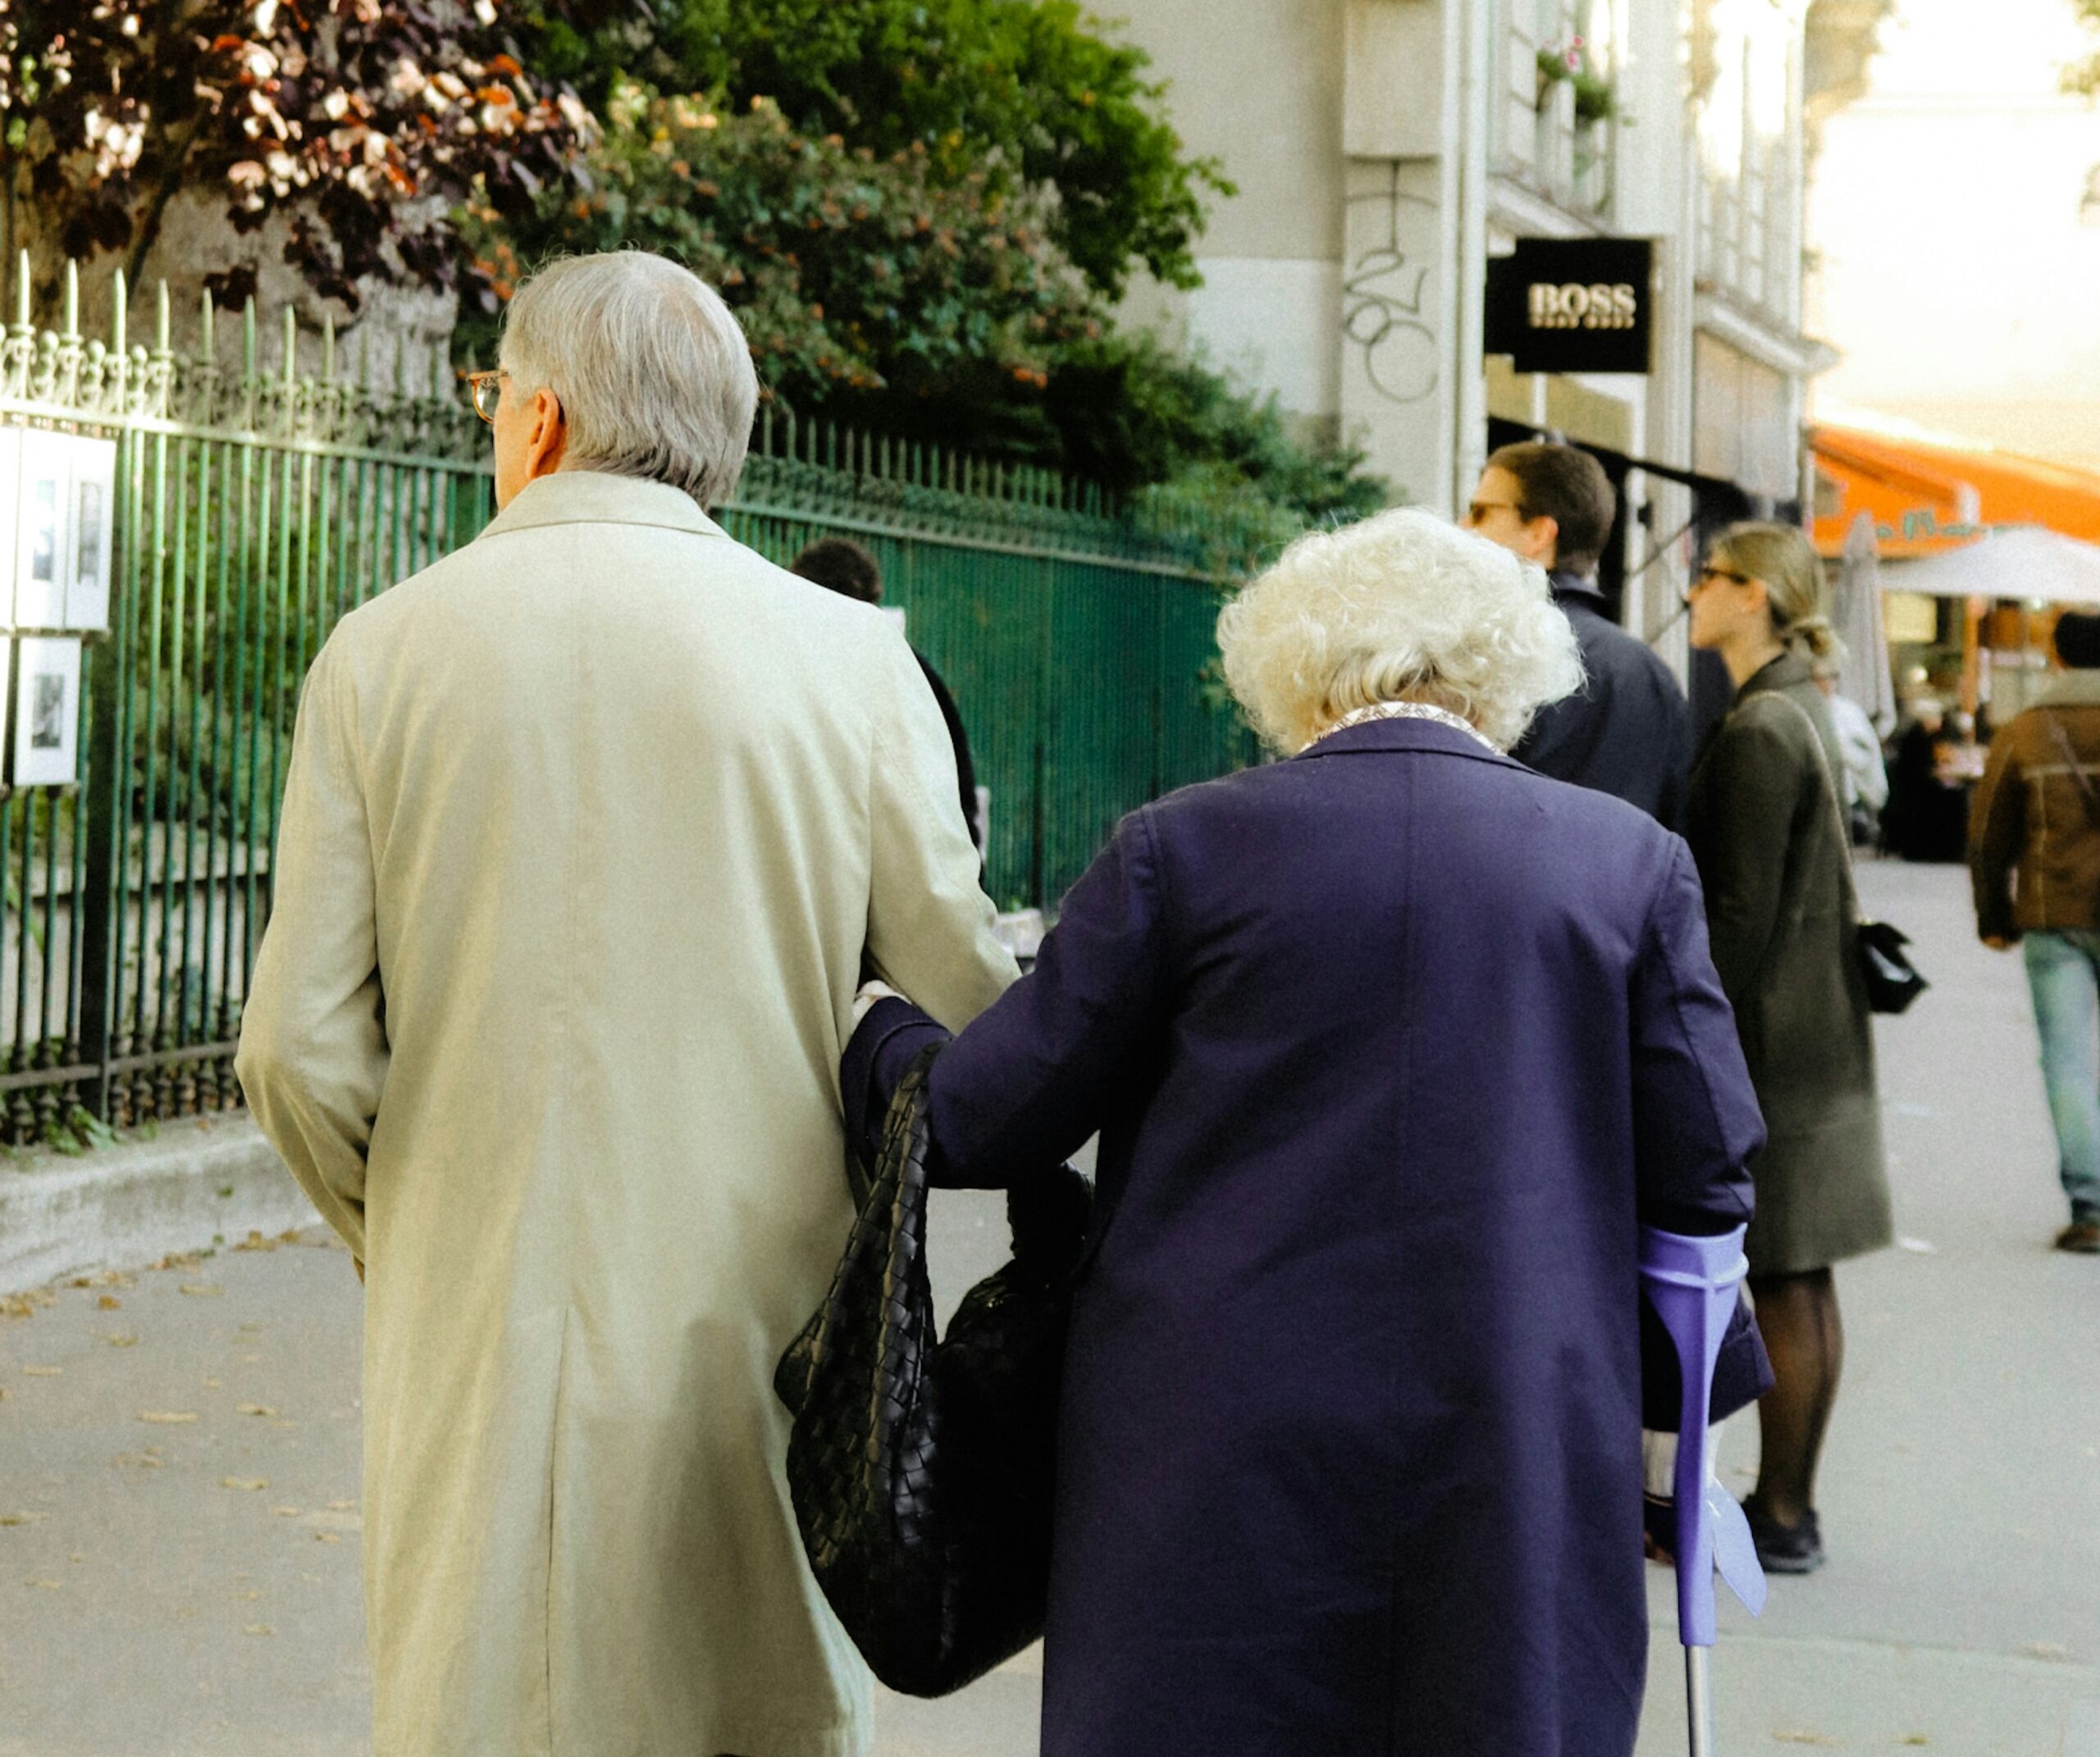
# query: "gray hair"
(1400, 607)
(653, 372)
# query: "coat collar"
(2076, 688)
(1788, 671)
(590, 497)
(1574, 585)
(1401, 734)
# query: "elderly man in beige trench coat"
(586, 831)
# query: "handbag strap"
(1828, 789)
(2079, 777)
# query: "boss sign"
(1572, 304)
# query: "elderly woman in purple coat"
(1391, 1048)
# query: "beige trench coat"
(585, 830)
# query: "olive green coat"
(1781, 911)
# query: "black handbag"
(921, 1471)
(1892, 980)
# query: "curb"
(203, 1180)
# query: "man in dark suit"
(1625, 731)
(843, 566)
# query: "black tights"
(1798, 1315)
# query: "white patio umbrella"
(2023, 562)
(1857, 615)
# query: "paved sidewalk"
(188, 1587)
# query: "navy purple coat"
(1389, 1047)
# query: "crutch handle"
(1693, 1283)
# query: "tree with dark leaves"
(362, 122)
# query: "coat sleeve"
(1998, 831)
(1024, 1086)
(1750, 785)
(1696, 1119)
(1673, 741)
(929, 931)
(313, 1050)
(1696, 1124)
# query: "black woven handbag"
(921, 1471)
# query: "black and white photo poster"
(44, 529)
(11, 502)
(93, 479)
(46, 711)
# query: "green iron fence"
(254, 505)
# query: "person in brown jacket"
(2035, 860)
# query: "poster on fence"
(92, 498)
(10, 498)
(46, 711)
(43, 528)
(58, 491)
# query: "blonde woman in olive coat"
(1769, 837)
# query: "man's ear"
(547, 437)
(1552, 524)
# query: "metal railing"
(256, 505)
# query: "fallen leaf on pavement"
(243, 1482)
(21, 1518)
(121, 1339)
(214, 1385)
(140, 1460)
(2046, 1650)
(1784, 1736)
(168, 1417)
(253, 1409)
(327, 1537)
(110, 1302)
(45, 1372)
(258, 1628)
(26, 1305)
(342, 1507)
(286, 1513)
(1915, 1738)
(256, 1242)
(48, 1586)
(201, 1289)
(3, 1393)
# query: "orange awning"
(1926, 498)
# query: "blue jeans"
(2063, 974)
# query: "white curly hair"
(1400, 607)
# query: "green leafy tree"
(858, 278)
(1025, 92)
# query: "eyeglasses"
(1709, 571)
(487, 390)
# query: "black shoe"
(1784, 1549)
(2082, 1236)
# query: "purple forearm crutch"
(1693, 1285)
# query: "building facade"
(1384, 151)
